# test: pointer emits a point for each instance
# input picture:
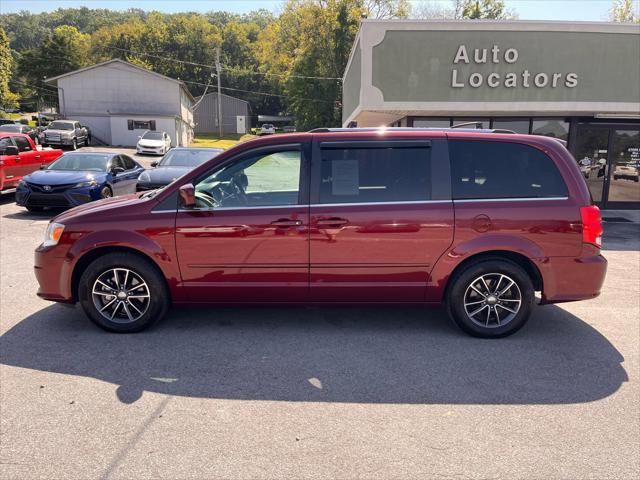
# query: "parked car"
(9, 121)
(67, 133)
(33, 133)
(288, 129)
(155, 143)
(476, 221)
(173, 165)
(78, 177)
(627, 171)
(19, 156)
(267, 129)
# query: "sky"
(593, 10)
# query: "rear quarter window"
(490, 169)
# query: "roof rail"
(410, 129)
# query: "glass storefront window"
(592, 148)
(553, 127)
(431, 123)
(518, 125)
(624, 183)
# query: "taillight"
(591, 225)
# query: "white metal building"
(118, 101)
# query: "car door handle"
(286, 223)
(332, 222)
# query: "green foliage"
(267, 60)
(8, 99)
(66, 49)
(484, 9)
(625, 11)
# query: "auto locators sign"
(518, 78)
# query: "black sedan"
(175, 163)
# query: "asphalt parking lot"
(311, 393)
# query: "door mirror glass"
(187, 196)
(154, 164)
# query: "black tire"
(158, 303)
(492, 270)
(34, 209)
(106, 192)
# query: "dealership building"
(576, 81)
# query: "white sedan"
(155, 143)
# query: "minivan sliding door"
(378, 219)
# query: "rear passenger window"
(22, 144)
(486, 169)
(362, 175)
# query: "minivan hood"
(98, 206)
(63, 177)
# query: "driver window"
(268, 179)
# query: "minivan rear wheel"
(123, 293)
(491, 299)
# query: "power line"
(263, 93)
(252, 72)
(231, 69)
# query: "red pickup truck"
(19, 157)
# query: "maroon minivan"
(475, 220)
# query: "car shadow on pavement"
(364, 355)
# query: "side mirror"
(187, 196)
(154, 164)
(43, 167)
(9, 150)
(117, 170)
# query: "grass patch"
(213, 141)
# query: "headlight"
(88, 183)
(53, 234)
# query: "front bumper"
(150, 150)
(53, 273)
(27, 197)
(63, 142)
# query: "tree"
(385, 9)
(624, 11)
(482, 9)
(64, 51)
(8, 99)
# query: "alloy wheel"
(121, 295)
(492, 300)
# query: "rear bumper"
(568, 279)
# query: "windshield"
(81, 162)
(10, 128)
(152, 136)
(187, 158)
(60, 126)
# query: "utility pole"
(219, 92)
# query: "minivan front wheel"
(491, 299)
(121, 292)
